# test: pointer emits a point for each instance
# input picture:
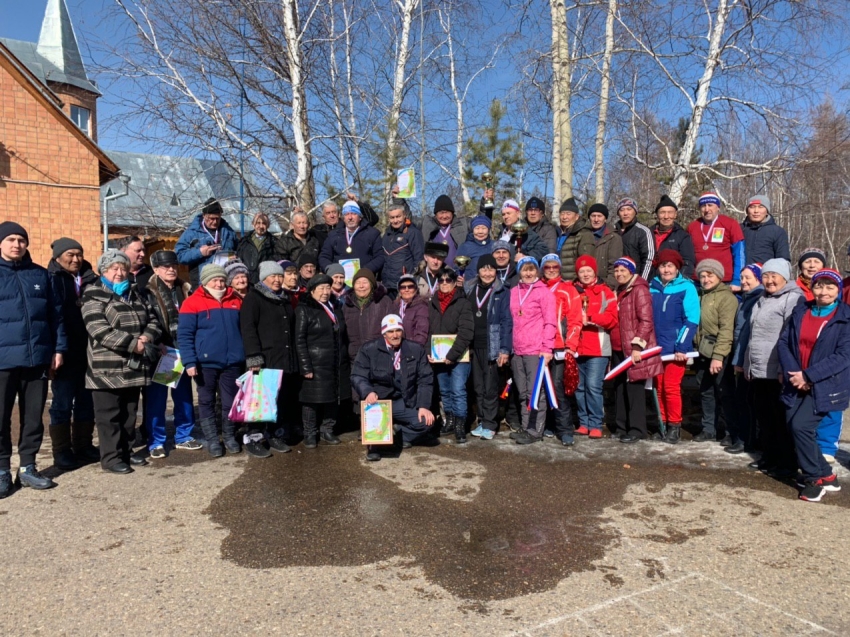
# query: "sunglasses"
(551, 267)
(407, 287)
(446, 280)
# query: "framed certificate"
(440, 346)
(350, 266)
(376, 423)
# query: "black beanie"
(307, 258)
(444, 202)
(666, 202)
(535, 202)
(8, 228)
(569, 205)
(485, 260)
(212, 207)
(598, 207)
(61, 246)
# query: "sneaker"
(567, 440)
(594, 433)
(188, 445)
(158, 452)
(582, 431)
(257, 448)
(487, 434)
(514, 435)
(477, 431)
(29, 476)
(528, 439)
(548, 433)
(829, 483)
(812, 491)
(6, 487)
(279, 445)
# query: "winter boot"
(448, 425)
(81, 439)
(228, 433)
(211, 436)
(672, 435)
(63, 454)
(460, 429)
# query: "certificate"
(406, 183)
(440, 346)
(376, 423)
(350, 266)
(169, 369)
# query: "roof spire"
(58, 42)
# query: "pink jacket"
(534, 330)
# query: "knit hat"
(212, 271)
(333, 269)
(407, 278)
(550, 258)
(365, 273)
(829, 274)
(307, 258)
(487, 260)
(319, 279)
(285, 264)
(233, 269)
(480, 220)
(763, 200)
(351, 207)
(669, 256)
(569, 205)
(586, 261)
(709, 197)
(437, 249)
(503, 245)
(444, 202)
(166, 257)
(391, 322)
(627, 263)
(755, 268)
(666, 202)
(510, 204)
(627, 202)
(527, 261)
(267, 268)
(812, 253)
(600, 208)
(61, 246)
(108, 258)
(212, 207)
(777, 266)
(535, 202)
(711, 265)
(10, 227)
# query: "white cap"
(391, 322)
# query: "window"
(81, 117)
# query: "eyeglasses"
(551, 267)
(446, 280)
(407, 287)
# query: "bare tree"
(562, 149)
(604, 94)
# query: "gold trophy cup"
(487, 178)
(519, 228)
(462, 262)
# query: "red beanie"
(586, 261)
(669, 256)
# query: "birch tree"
(562, 145)
(604, 94)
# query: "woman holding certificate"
(452, 315)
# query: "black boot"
(228, 433)
(460, 429)
(81, 439)
(63, 454)
(448, 425)
(672, 435)
(211, 437)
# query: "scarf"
(120, 289)
(362, 302)
(445, 298)
(218, 295)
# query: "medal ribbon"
(402, 308)
(522, 298)
(428, 281)
(707, 235)
(350, 237)
(214, 238)
(329, 312)
(444, 232)
(481, 303)
(78, 284)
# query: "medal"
(445, 243)
(478, 314)
(705, 247)
(348, 249)
(480, 303)
(348, 239)
(523, 299)
(520, 312)
(706, 235)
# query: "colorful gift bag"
(256, 400)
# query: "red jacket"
(567, 314)
(636, 328)
(600, 306)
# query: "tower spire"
(58, 42)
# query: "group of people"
(525, 304)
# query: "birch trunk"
(461, 164)
(604, 92)
(562, 145)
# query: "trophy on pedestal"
(462, 262)
(519, 228)
(489, 204)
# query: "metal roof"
(44, 69)
(57, 43)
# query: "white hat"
(391, 322)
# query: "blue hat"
(351, 207)
(709, 197)
(550, 258)
(755, 268)
(480, 220)
(627, 263)
(525, 261)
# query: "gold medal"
(348, 249)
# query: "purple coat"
(364, 324)
(415, 320)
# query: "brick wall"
(34, 146)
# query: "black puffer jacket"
(457, 319)
(579, 242)
(679, 240)
(252, 257)
(65, 289)
(267, 323)
(322, 349)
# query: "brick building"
(51, 167)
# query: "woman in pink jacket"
(533, 312)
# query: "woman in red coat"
(635, 333)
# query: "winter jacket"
(252, 257)
(322, 350)
(70, 301)
(805, 287)
(373, 372)
(456, 320)
(500, 323)
(166, 303)
(459, 231)
(636, 328)
(676, 314)
(208, 331)
(267, 326)
(567, 314)
(829, 363)
(547, 233)
(764, 241)
(31, 326)
(364, 324)
(718, 307)
(534, 328)
(608, 249)
(323, 230)
(531, 244)
(679, 240)
(114, 325)
(742, 324)
(189, 244)
(288, 246)
(404, 250)
(416, 318)
(578, 242)
(474, 249)
(365, 245)
(638, 245)
(423, 276)
(767, 320)
(600, 306)
(509, 276)
(141, 277)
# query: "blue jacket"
(829, 363)
(675, 311)
(365, 245)
(475, 250)
(500, 322)
(188, 247)
(31, 328)
(742, 323)
(208, 331)
(403, 252)
(765, 241)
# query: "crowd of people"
(519, 297)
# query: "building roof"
(166, 192)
